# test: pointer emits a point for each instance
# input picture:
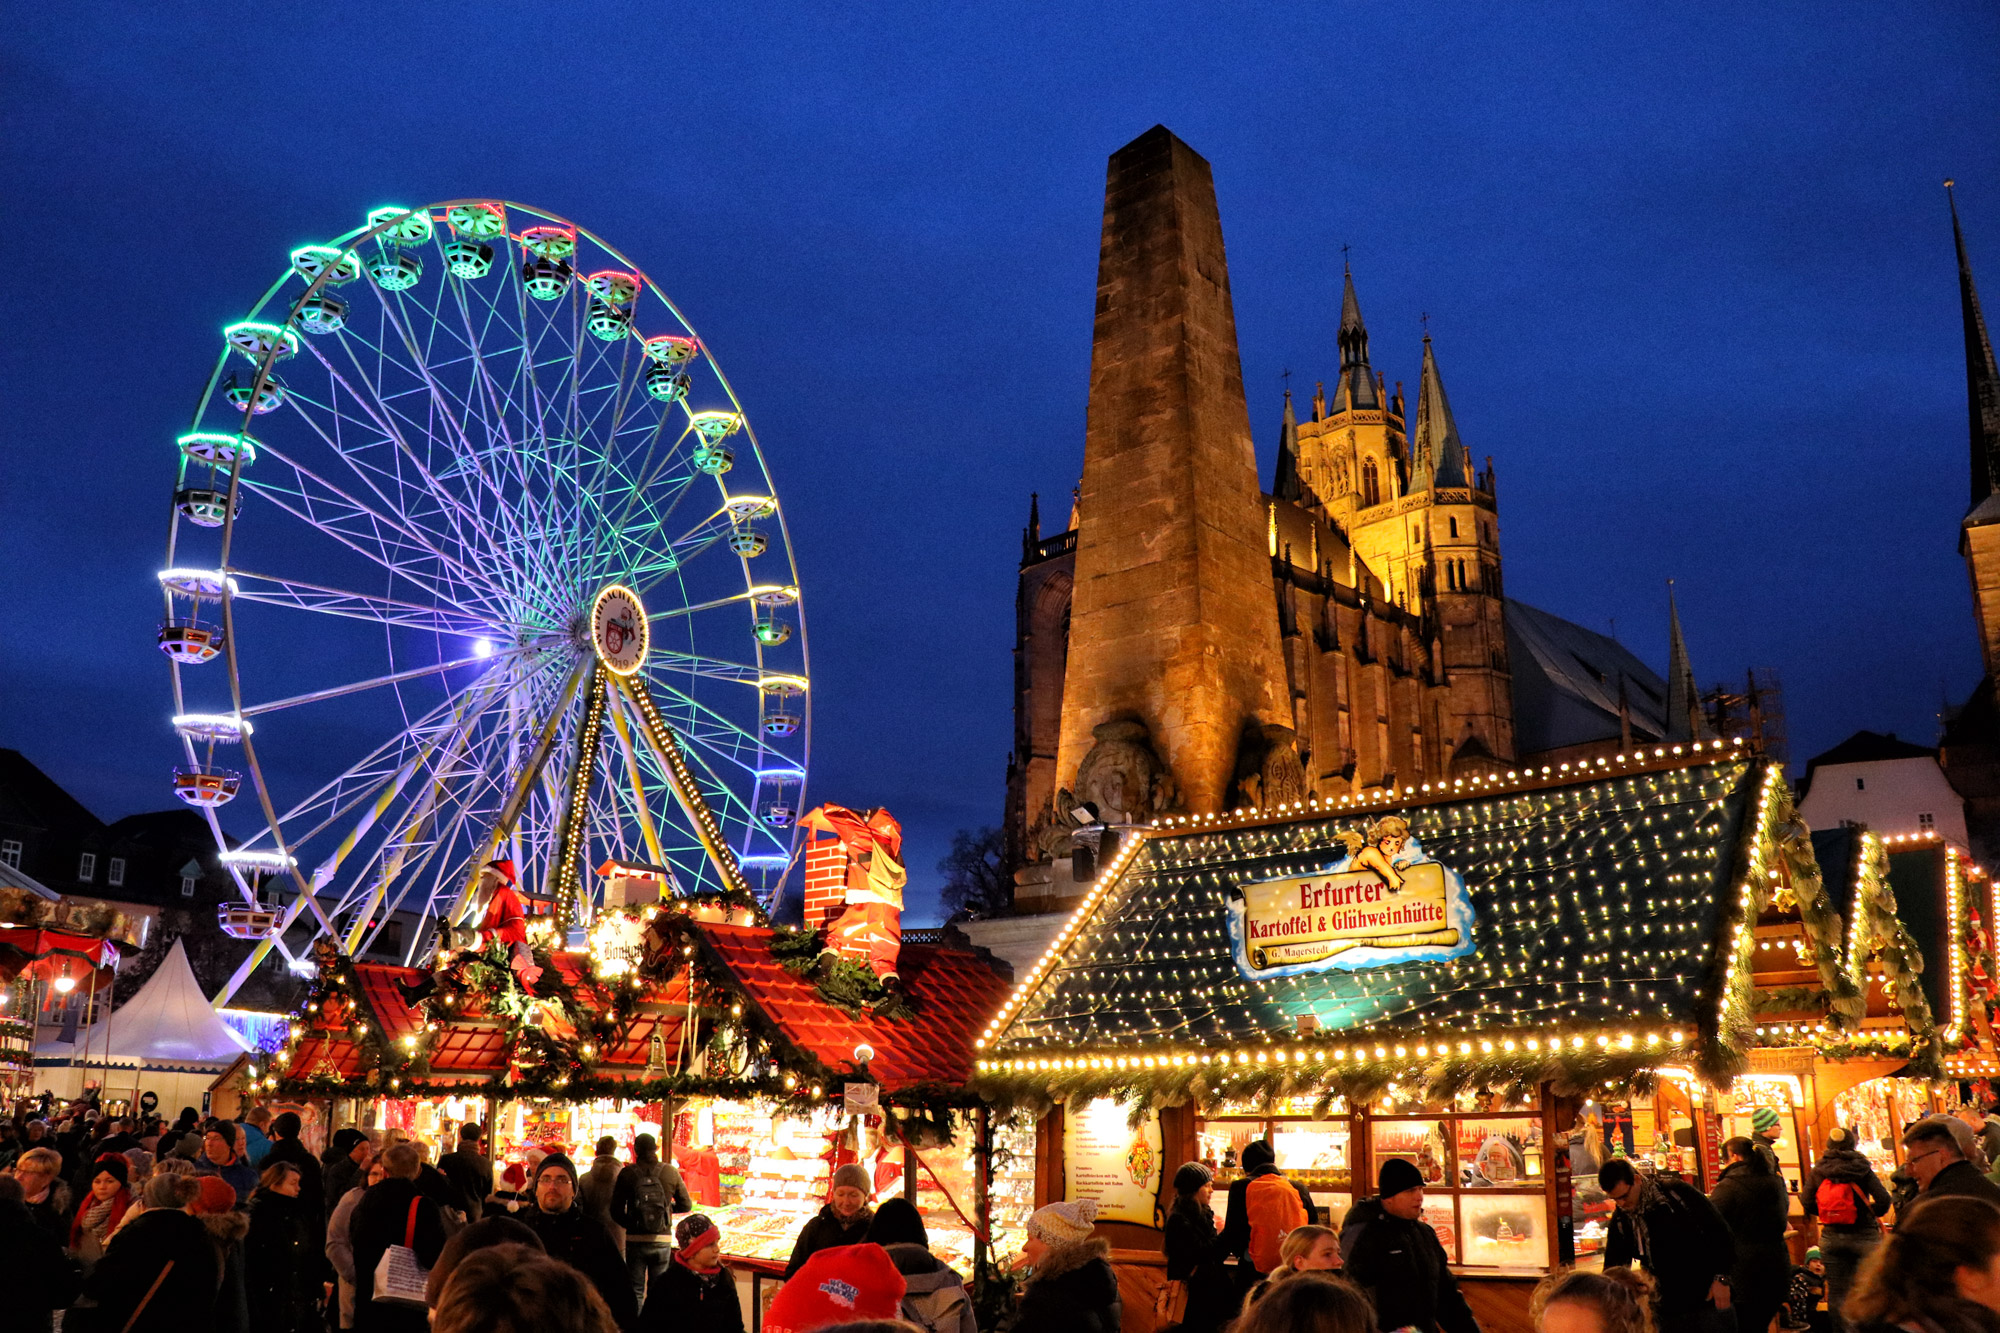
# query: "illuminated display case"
(1485, 1168)
(1318, 1154)
(951, 1167)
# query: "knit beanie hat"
(695, 1231)
(839, 1286)
(1813, 1254)
(1763, 1118)
(213, 1195)
(1397, 1174)
(1839, 1137)
(1191, 1177)
(1257, 1153)
(1063, 1223)
(111, 1164)
(856, 1175)
(556, 1161)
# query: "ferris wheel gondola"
(473, 551)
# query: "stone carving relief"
(1121, 775)
(1268, 769)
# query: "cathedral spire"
(1439, 455)
(1286, 485)
(1684, 720)
(1982, 382)
(1356, 386)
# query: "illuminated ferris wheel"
(474, 554)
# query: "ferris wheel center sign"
(618, 629)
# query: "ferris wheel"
(474, 555)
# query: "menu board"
(1106, 1159)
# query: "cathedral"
(1196, 641)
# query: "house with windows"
(1877, 781)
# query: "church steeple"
(1684, 719)
(1438, 456)
(1356, 386)
(1287, 485)
(1982, 382)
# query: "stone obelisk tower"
(1173, 623)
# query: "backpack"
(651, 1208)
(1273, 1207)
(937, 1311)
(1838, 1203)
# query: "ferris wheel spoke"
(712, 668)
(487, 660)
(298, 595)
(715, 732)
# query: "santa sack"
(399, 1278)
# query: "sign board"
(1106, 1159)
(1385, 902)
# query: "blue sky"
(1688, 271)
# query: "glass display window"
(1499, 1151)
(1441, 1214)
(1334, 1204)
(1311, 1149)
(1425, 1144)
(1877, 1111)
(1504, 1230)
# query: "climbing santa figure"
(503, 920)
(867, 921)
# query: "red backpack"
(1838, 1202)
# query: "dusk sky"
(1688, 271)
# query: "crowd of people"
(110, 1225)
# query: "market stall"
(1504, 981)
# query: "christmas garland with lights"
(1882, 934)
(846, 983)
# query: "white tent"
(169, 1024)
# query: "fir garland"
(845, 982)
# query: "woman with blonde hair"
(1305, 1249)
(1618, 1300)
(1939, 1270)
(1315, 1302)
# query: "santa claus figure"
(869, 923)
(503, 920)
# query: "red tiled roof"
(954, 994)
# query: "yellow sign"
(1307, 922)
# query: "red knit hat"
(215, 1195)
(838, 1286)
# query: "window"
(1861, 784)
(114, 874)
(187, 886)
(86, 867)
(1371, 483)
(1926, 823)
(1454, 526)
(10, 852)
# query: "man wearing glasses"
(1670, 1229)
(1937, 1150)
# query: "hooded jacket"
(1194, 1256)
(232, 1296)
(1847, 1167)
(1402, 1267)
(138, 1256)
(826, 1231)
(1074, 1290)
(1753, 1205)
(934, 1294)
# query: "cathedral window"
(1371, 483)
(1454, 526)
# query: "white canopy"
(168, 1023)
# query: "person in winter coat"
(842, 1220)
(1670, 1229)
(1939, 1151)
(697, 1292)
(1392, 1254)
(39, 1170)
(340, 1243)
(571, 1235)
(1194, 1251)
(286, 1146)
(485, 1234)
(217, 1208)
(644, 1200)
(1753, 1204)
(384, 1218)
(1765, 1131)
(256, 1137)
(345, 1164)
(36, 1275)
(164, 1251)
(469, 1169)
(934, 1294)
(1935, 1272)
(1844, 1197)
(1239, 1234)
(219, 1158)
(102, 1209)
(595, 1189)
(1071, 1286)
(282, 1258)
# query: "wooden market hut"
(1614, 957)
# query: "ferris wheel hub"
(618, 631)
